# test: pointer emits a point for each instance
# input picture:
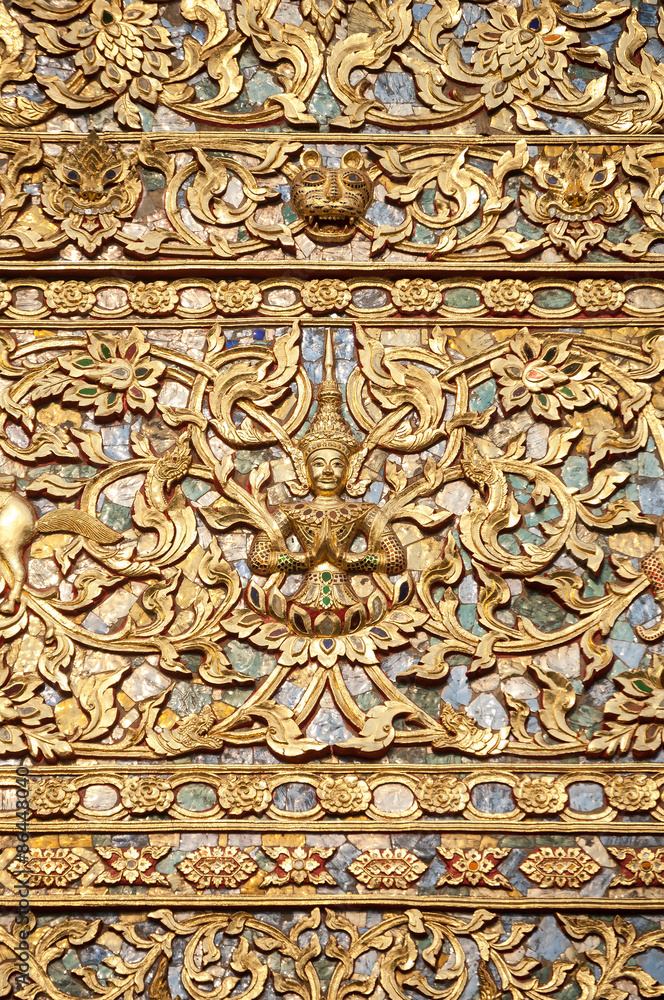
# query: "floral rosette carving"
(239, 795)
(299, 866)
(53, 797)
(541, 796)
(416, 295)
(67, 297)
(144, 795)
(507, 295)
(234, 297)
(599, 295)
(522, 55)
(113, 373)
(131, 865)
(632, 792)
(442, 795)
(347, 794)
(326, 295)
(5, 296)
(157, 298)
(638, 866)
(123, 44)
(548, 376)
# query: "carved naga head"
(331, 200)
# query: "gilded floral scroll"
(389, 65)
(191, 507)
(414, 953)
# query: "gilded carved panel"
(345, 65)
(331, 487)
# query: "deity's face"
(327, 469)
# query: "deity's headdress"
(328, 429)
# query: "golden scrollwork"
(518, 66)
(344, 589)
(226, 198)
(406, 959)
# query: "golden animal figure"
(653, 567)
(331, 200)
(19, 525)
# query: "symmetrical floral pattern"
(217, 867)
(387, 868)
(240, 795)
(121, 43)
(48, 866)
(53, 796)
(65, 297)
(639, 866)
(547, 377)
(131, 865)
(632, 792)
(540, 796)
(113, 373)
(237, 297)
(470, 866)
(326, 295)
(155, 298)
(348, 794)
(597, 295)
(443, 795)
(144, 795)
(519, 55)
(299, 866)
(565, 867)
(507, 295)
(416, 295)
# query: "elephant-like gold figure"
(19, 525)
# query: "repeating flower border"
(352, 794)
(259, 867)
(291, 297)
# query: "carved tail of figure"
(158, 989)
(18, 526)
(488, 989)
(653, 567)
(79, 523)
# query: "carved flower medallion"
(347, 794)
(387, 868)
(217, 867)
(565, 867)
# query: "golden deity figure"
(327, 527)
(334, 613)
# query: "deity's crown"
(328, 428)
